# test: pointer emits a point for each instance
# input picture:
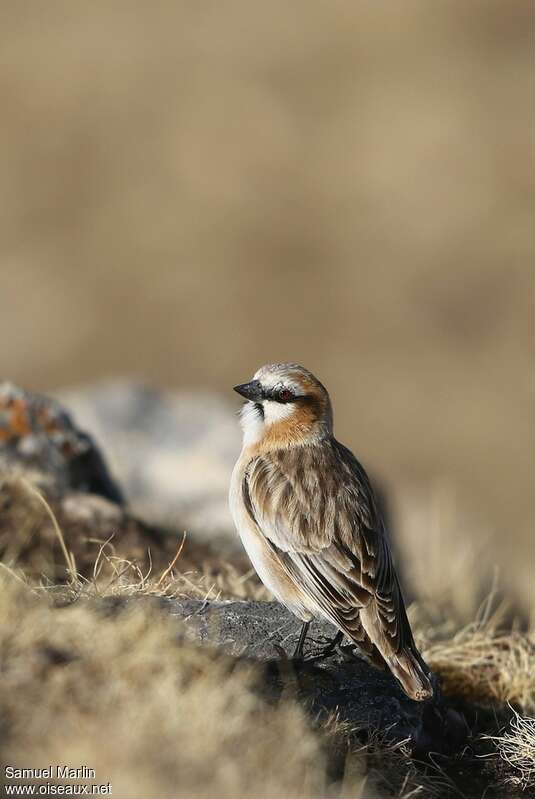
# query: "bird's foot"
(329, 649)
(299, 659)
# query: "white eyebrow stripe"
(295, 387)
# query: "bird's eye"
(285, 395)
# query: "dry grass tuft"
(483, 663)
(89, 545)
(389, 770)
(516, 747)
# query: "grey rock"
(172, 452)
(346, 684)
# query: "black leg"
(298, 654)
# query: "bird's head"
(286, 406)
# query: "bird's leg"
(298, 654)
(322, 654)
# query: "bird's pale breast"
(262, 555)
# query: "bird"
(309, 521)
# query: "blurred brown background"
(189, 190)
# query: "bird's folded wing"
(316, 508)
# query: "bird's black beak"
(251, 391)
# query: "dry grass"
(92, 545)
(169, 709)
(516, 747)
(381, 768)
(431, 529)
(174, 715)
(124, 692)
(118, 693)
(485, 662)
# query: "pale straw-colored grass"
(516, 747)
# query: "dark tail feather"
(412, 674)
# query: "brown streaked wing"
(316, 507)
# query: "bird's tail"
(413, 674)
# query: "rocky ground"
(99, 526)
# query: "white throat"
(254, 426)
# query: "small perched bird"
(308, 519)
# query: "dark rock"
(37, 434)
(358, 693)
